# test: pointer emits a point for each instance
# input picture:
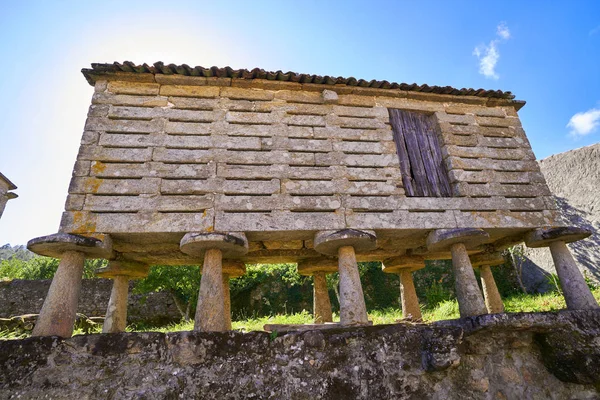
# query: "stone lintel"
(489, 259)
(57, 244)
(231, 244)
(398, 264)
(542, 237)
(233, 268)
(443, 239)
(127, 268)
(310, 267)
(328, 242)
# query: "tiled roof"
(257, 73)
(11, 186)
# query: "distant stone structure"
(5, 192)
(224, 167)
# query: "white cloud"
(489, 55)
(584, 123)
(488, 58)
(502, 31)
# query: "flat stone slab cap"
(443, 239)
(128, 268)
(284, 328)
(328, 242)
(542, 237)
(59, 243)
(326, 265)
(232, 244)
(396, 265)
(490, 259)
(234, 268)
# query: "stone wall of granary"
(20, 297)
(171, 154)
(502, 356)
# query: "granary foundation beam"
(345, 244)
(59, 310)
(493, 301)
(470, 299)
(211, 310)
(575, 290)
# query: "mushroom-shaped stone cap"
(328, 242)
(233, 268)
(490, 259)
(443, 239)
(59, 243)
(542, 237)
(128, 268)
(232, 244)
(311, 266)
(398, 264)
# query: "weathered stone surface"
(549, 355)
(21, 297)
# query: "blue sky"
(545, 52)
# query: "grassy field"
(444, 310)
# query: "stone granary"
(5, 194)
(221, 168)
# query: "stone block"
(237, 93)
(122, 87)
(127, 100)
(189, 91)
(498, 122)
(457, 119)
(487, 152)
(181, 80)
(298, 96)
(85, 185)
(265, 84)
(191, 156)
(74, 202)
(354, 134)
(305, 120)
(218, 185)
(497, 165)
(278, 221)
(356, 100)
(109, 154)
(355, 123)
(329, 96)
(123, 125)
(188, 128)
(250, 118)
(81, 168)
(193, 103)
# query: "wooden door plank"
(405, 168)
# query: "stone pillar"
(210, 312)
(352, 301)
(493, 301)
(116, 312)
(575, 290)
(59, 310)
(408, 294)
(214, 246)
(58, 313)
(345, 244)
(227, 304)
(470, 300)
(321, 301)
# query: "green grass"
(444, 310)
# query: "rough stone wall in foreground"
(574, 179)
(503, 356)
(19, 297)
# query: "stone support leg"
(116, 313)
(470, 300)
(352, 301)
(321, 301)
(493, 301)
(58, 313)
(577, 293)
(210, 312)
(408, 294)
(227, 304)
